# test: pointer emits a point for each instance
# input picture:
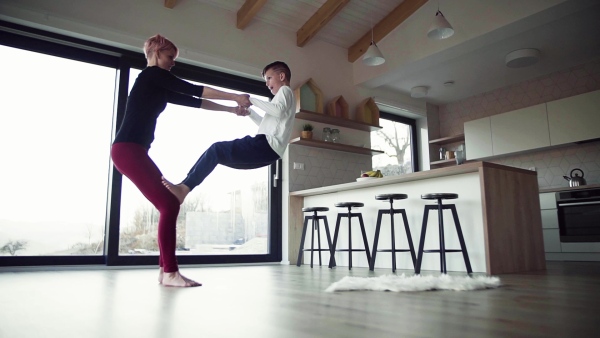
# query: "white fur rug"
(404, 283)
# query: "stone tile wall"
(323, 167)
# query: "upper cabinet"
(478, 138)
(568, 120)
(520, 130)
(574, 119)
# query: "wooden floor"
(288, 301)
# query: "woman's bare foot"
(179, 190)
(161, 273)
(178, 280)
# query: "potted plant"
(307, 131)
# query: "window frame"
(413, 135)
(35, 40)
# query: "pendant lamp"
(440, 28)
(373, 56)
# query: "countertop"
(421, 175)
(581, 187)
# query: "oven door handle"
(574, 204)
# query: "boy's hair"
(158, 43)
(279, 67)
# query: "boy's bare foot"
(179, 190)
(161, 273)
(178, 280)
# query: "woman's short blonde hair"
(158, 43)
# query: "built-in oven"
(579, 215)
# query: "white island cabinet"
(498, 208)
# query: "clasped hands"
(244, 103)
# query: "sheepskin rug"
(413, 283)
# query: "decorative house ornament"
(368, 112)
(309, 97)
(338, 107)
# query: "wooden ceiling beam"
(248, 11)
(384, 27)
(316, 22)
(170, 3)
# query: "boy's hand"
(243, 100)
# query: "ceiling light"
(522, 58)
(373, 56)
(440, 28)
(449, 83)
(418, 92)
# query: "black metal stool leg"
(301, 251)
(335, 237)
(442, 240)
(318, 237)
(461, 239)
(392, 211)
(409, 237)
(364, 235)
(422, 240)
(349, 239)
(331, 258)
(312, 242)
(375, 241)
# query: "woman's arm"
(209, 105)
(241, 99)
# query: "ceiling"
(566, 35)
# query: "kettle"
(575, 181)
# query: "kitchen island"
(498, 208)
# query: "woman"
(153, 89)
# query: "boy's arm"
(257, 119)
(281, 103)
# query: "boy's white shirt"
(279, 118)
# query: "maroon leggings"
(132, 160)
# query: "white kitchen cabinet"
(478, 138)
(520, 130)
(574, 118)
(550, 229)
(551, 240)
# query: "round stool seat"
(311, 209)
(385, 197)
(349, 204)
(443, 196)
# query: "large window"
(55, 122)
(226, 214)
(63, 202)
(397, 139)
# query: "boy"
(274, 130)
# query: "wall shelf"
(334, 146)
(449, 139)
(338, 121)
(434, 163)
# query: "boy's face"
(274, 80)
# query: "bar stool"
(391, 211)
(442, 250)
(350, 215)
(315, 226)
